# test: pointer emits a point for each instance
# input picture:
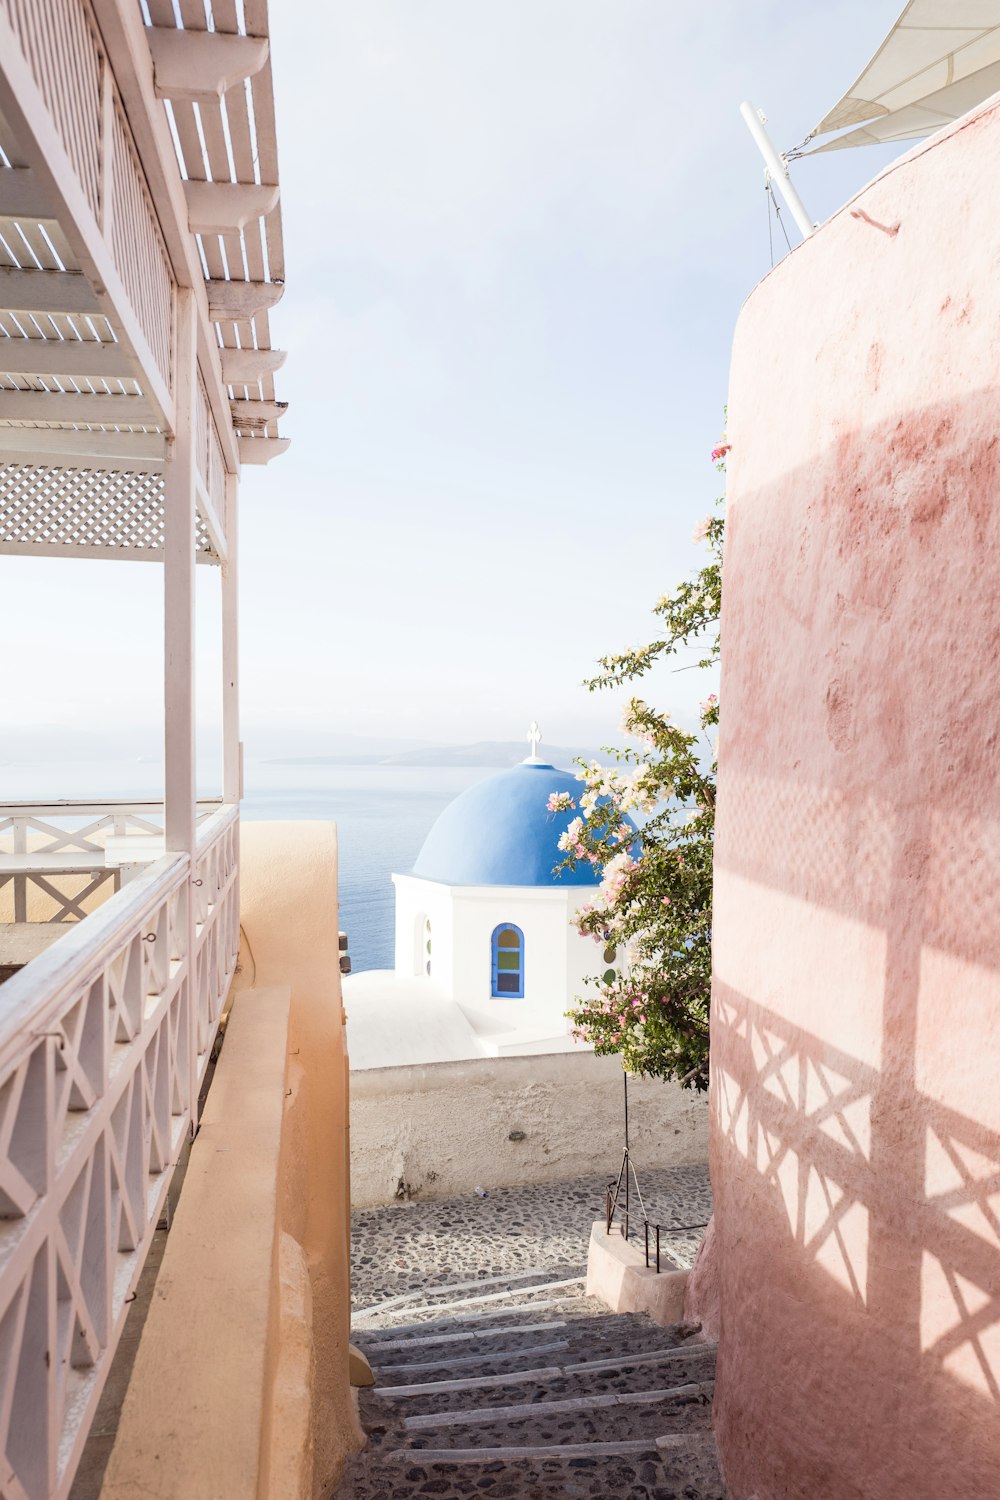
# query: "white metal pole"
(178, 591)
(232, 769)
(777, 168)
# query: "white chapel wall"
(416, 901)
(540, 913)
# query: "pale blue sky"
(518, 234)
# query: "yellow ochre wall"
(240, 1389)
(288, 904)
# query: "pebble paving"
(420, 1273)
(415, 1246)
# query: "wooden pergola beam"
(196, 64)
(22, 195)
(239, 301)
(51, 447)
(257, 411)
(85, 408)
(227, 207)
(32, 291)
(261, 450)
(247, 366)
(76, 358)
(79, 553)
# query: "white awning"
(941, 59)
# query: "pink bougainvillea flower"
(702, 529)
(720, 451)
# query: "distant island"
(499, 753)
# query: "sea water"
(382, 813)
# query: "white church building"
(487, 957)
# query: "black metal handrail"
(626, 1178)
(611, 1208)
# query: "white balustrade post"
(232, 750)
(179, 621)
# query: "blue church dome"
(500, 832)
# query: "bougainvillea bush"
(647, 822)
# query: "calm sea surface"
(383, 814)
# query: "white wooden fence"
(41, 844)
(104, 1040)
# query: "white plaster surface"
(443, 1128)
(394, 1020)
(557, 960)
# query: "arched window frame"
(495, 951)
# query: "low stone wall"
(443, 1129)
(618, 1275)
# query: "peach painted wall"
(856, 1030)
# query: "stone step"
(497, 1361)
(463, 1336)
(587, 1378)
(584, 1424)
(608, 1337)
(375, 1336)
(426, 1304)
(643, 1469)
(543, 1410)
(486, 1364)
(425, 1296)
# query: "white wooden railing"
(41, 844)
(104, 1040)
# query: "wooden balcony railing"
(104, 1041)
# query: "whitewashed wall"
(415, 899)
(443, 1129)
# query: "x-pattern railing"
(58, 850)
(104, 1040)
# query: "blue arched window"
(507, 946)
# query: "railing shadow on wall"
(902, 1287)
(856, 1152)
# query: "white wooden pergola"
(140, 253)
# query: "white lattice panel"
(109, 511)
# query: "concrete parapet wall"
(618, 1275)
(442, 1129)
(241, 1386)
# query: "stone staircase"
(519, 1387)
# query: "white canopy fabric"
(941, 59)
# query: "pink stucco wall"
(856, 1030)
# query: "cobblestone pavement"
(409, 1246)
(498, 1378)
